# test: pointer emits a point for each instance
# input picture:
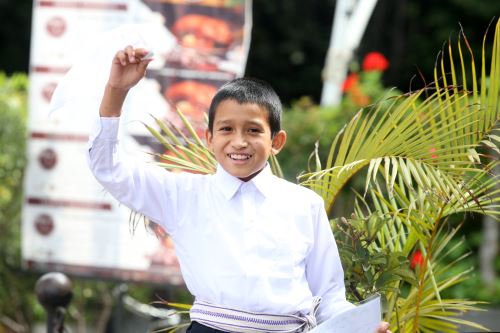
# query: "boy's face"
(241, 138)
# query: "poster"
(70, 223)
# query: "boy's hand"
(383, 328)
(128, 68)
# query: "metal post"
(350, 20)
(54, 292)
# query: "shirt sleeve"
(324, 270)
(145, 188)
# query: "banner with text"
(70, 223)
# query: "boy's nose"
(239, 142)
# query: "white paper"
(364, 318)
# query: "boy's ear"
(279, 140)
(208, 138)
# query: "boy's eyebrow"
(249, 122)
(222, 121)
(255, 123)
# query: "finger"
(383, 327)
(144, 64)
(144, 54)
(122, 57)
(130, 51)
(141, 52)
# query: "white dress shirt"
(264, 245)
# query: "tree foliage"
(16, 304)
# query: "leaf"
(491, 145)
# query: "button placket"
(249, 213)
(248, 217)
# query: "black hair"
(249, 90)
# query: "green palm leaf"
(444, 131)
(409, 225)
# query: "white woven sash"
(239, 321)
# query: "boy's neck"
(245, 179)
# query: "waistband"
(240, 321)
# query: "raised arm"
(143, 187)
(127, 69)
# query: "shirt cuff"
(104, 129)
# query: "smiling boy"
(241, 137)
(255, 250)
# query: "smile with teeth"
(239, 157)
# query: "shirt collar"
(229, 184)
(264, 181)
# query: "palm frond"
(183, 152)
(423, 303)
(443, 131)
(413, 219)
(473, 192)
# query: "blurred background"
(289, 43)
(409, 33)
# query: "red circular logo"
(47, 158)
(44, 224)
(56, 26)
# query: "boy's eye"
(255, 130)
(225, 129)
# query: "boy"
(251, 246)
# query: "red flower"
(432, 151)
(417, 259)
(375, 61)
(350, 81)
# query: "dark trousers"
(196, 327)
